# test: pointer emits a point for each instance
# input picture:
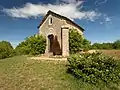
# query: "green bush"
(107, 46)
(94, 68)
(33, 45)
(6, 50)
(116, 44)
(77, 42)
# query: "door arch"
(50, 42)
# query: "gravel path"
(48, 58)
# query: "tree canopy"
(6, 50)
(33, 45)
(114, 45)
(77, 42)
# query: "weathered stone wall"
(56, 29)
(71, 26)
(65, 41)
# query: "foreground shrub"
(94, 68)
(33, 45)
(6, 50)
(77, 42)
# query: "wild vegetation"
(77, 42)
(18, 73)
(95, 68)
(33, 45)
(6, 50)
(95, 71)
(107, 46)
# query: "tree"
(6, 50)
(32, 45)
(86, 45)
(77, 42)
(116, 44)
(22, 48)
(97, 46)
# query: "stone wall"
(56, 29)
(65, 40)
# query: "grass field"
(115, 53)
(19, 73)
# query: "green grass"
(19, 73)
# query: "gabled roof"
(55, 14)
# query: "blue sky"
(100, 18)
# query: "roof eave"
(60, 16)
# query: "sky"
(20, 18)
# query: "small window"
(50, 21)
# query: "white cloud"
(107, 19)
(99, 2)
(71, 1)
(70, 10)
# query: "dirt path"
(48, 58)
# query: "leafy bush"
(22, 48)
(116, 44)
(77, 42)
(94, 68)
(33, 45)
(108, 46)
(6, 50)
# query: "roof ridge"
(59, 16)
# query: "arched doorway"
(50, 42)
(53, 45)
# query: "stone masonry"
(55, 28)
